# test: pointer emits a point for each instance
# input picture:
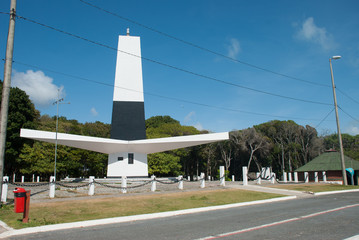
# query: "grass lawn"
(97, 208)
(314, 187)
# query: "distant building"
(330, 163)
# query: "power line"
(357, 102)
(348, 114)
(173, 67)
(210, 51)
(324, 118)
(202, 48)
(161, 96)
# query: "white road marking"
(276, 223)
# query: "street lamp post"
(345, 182)
(58, 101)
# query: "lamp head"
(336, 57)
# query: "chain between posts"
(27, 184)
(253, 179)
(122, 188)
(72, 186)
(163, 182)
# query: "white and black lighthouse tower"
(128, 112)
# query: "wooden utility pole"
(6, 87)
(342, 159)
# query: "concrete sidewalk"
(258, 188)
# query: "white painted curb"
(90, 223)
(4, 225)
(335, 192)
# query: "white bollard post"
(259, 179)
(266, 172)
(209, 178)
(289, 176)
(222, 179)
(5, 186)
(232, 178)
(306, 177)
(153, 185)
(33, 177)
(284, 177)
(124, 184)
(52, 187)
(38, 179)
(91, 186)
(295, 177)
(22, 179)
(188, 178)
(203, 180)
(245, 176)
(180, 182)
(316, 177)
(13, 177)
(324, 176)
(273, 178)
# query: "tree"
(163, 164)
(284, 135)
(350, 144)
(157, 121)
(208, 152)
(310, 144)
(22, 114)
(37, 158)
(249, 140)
(96, 129)
(226, 153)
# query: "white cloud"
(312, 33)
(199, 126)
(353, 130)
(233, 48)
(189, 116)
(189, 119)
(38, 86)
(94, 112)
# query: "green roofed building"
(330, 163)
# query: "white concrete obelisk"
(128, 113)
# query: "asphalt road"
(320, 217)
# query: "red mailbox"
(19, 200)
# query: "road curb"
(335, 192)
(272, 189)
(5, 226)
(64, 226)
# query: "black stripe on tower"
(128, 121)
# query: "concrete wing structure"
(124, 156)
(109, 146)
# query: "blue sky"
(292, 38)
